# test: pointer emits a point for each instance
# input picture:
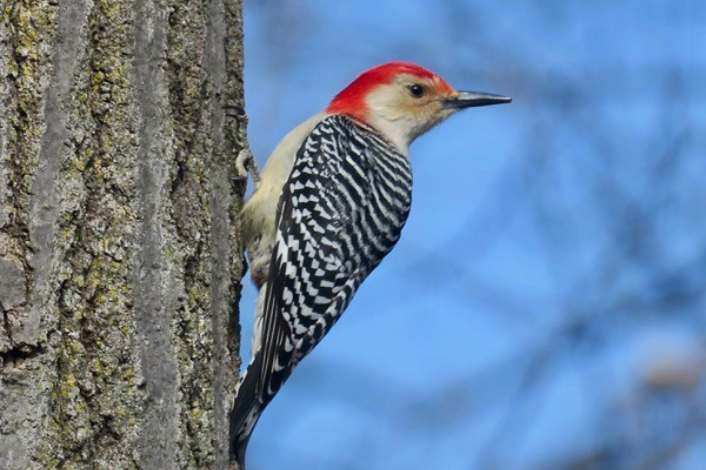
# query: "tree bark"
(120, 258)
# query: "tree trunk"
(120, 259)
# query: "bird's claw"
(245, 161)
(245, 165)
(235, 111)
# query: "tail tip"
(238, 449)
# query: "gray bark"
(120, 258)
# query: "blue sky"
(553, 255)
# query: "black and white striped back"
(341, 211)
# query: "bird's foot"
(245, 163)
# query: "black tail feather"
(246, 412)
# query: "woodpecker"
(331, 204)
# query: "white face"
(408, 107)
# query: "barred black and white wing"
(341, 211)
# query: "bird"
(332, 201)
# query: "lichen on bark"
(119, 253)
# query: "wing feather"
(331, 232)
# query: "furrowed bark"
(120, 259)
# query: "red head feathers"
(351, 100)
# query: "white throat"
(395, 131)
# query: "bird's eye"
(416, 90)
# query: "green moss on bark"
(95, 400)
(87, 379)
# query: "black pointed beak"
(470, 99)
